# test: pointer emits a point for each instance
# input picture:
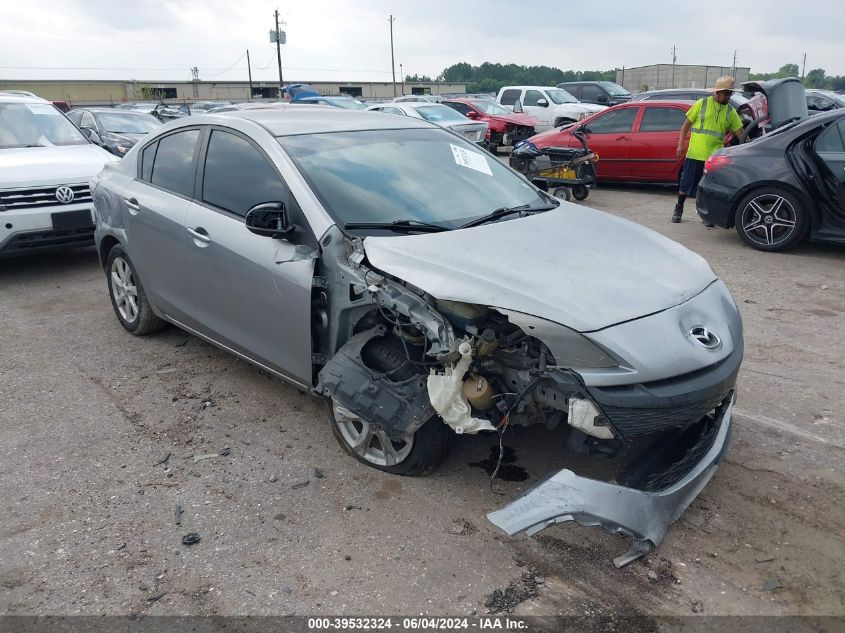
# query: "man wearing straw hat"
(708, 121)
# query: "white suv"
(552, 107)
(45, 166)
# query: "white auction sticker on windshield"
(43, 108)
(472, 160)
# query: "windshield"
(350, 104)
(614, 90)
(437, 113)
(125, 123)
(426, 175)
(490, 107)
(836, 98)
(559, 95)
(36, 125)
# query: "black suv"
(601, 92)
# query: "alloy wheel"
(370, 443)
(124, 289)
(769, 219)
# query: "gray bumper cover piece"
(644, 516)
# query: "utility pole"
(803, 67)
(674, 57)
(279, 54)
(195, 77)
(249, 71)
(402, 78)
(392, 64)
(733, 68)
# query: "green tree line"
(490, 77)
(816, 78)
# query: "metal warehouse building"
(93, 92)
(659, 76)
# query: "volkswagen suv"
(45, 165)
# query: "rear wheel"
(771, 219)
(409, 455)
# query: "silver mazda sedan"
(423, 289)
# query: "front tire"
(771, 219)
(127, 295)
(580, 192)
(412, 455)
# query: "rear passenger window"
(237, 176)
(173, 166)
(613, 121)
(509, 97)
(575, 91)
(830, 141)
(460, 107)
(662, 119)
(147, 158)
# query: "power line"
(228, 69)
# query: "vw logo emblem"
(705, 337)
(64, 195)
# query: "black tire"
(493, 148)
(580, 192)
(144, 320)
(771, 219)
(562, 192)
(432, 441)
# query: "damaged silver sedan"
(424, 290)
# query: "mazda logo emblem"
(705, 337)
(64, 195)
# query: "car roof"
(529, 88)
(292, 120)
(111, 111)
(14, 97)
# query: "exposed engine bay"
(476, 368)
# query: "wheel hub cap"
(124, 290)
(371, 443)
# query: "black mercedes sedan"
(782, 188)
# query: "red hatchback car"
(504, 126)
(635, 141)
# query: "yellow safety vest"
(710, 122)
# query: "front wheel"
(771, 219)
(128, 298)
(580, 192)
(410, 455)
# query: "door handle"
(132, 205)
(200, 234)
(623, 138)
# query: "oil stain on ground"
(508, 469)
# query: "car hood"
(573, 265)
(29, 166)
(586, 107)
(123, 137)
(516, 119)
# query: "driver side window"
(532, 97)
(614, 121)
(237, 176)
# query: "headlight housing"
(570, 349)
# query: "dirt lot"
(98, 430)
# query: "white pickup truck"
(552, 107)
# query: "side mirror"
(517, 106)
(602, 98)
(269, 219)
(542, 103)
(92, 135)
(472, 114)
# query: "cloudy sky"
(349, 39)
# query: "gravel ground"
(99, 430)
